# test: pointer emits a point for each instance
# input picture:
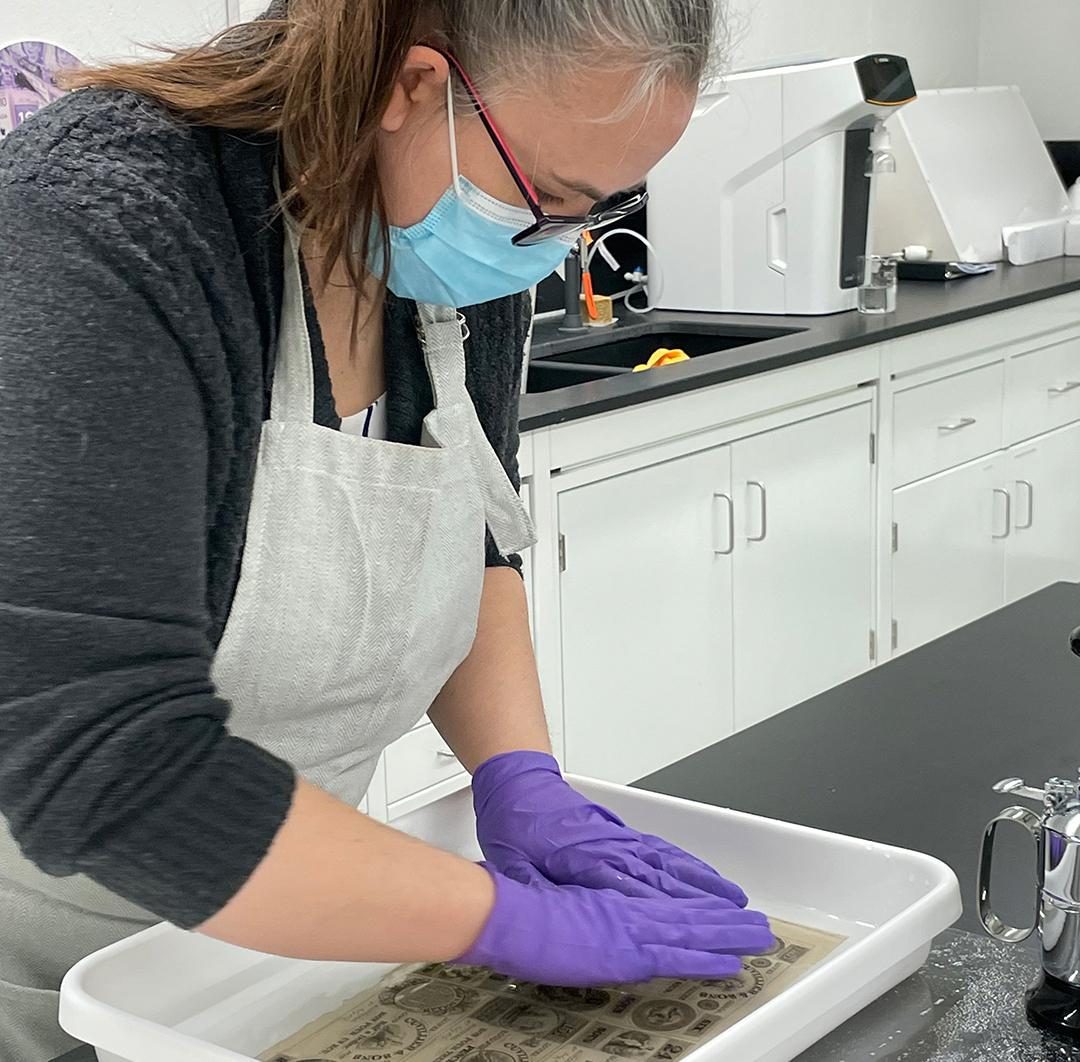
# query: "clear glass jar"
(878, 292)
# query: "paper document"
(443, 1013)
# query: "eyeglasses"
(548, 226)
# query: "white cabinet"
(418, 761)
(946, 422)
(1007, 523)
(993, 531)
(1043, 390)
(949, 561)
(728, 550)
(804, 563)
(1044, 544)
(646, 616)
(708, 592)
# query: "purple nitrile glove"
(574, 937)
(526, 813)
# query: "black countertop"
(907, 754)
(964, 1005)
(921, 305)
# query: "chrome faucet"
(1053, 1002)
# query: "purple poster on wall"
(29, 75)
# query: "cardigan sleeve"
(116, 760)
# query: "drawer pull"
(730, 506)
(444, 754)
(956, 425)
(1008, 513)
(1030, 505)
(1065, 388)
(764, 512)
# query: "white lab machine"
(973, 181)
(763, 206)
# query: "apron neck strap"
(442, 335)
(442, 332)
(293, 394)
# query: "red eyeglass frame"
(548, 226)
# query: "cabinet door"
(949, 564)
(646, 616)
(804, 598)
(1045, 542)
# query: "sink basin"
(624, 354)
(549, 375)
(616, 356)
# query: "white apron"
(358, 598)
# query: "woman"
(219, 600)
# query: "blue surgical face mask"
(461, 253)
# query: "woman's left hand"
(528, 815)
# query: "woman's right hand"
(576, 937)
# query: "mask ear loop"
(451, 126)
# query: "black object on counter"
(935, 271)
(1066, 156)
(572, 292)
(1055, 1006)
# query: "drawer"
(947, 422)
(418, 761)
(1042, 390)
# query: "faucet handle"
(1016, 787)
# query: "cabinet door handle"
(1065, 388)
(764, 512)
(956, 425)
(1008, 512)
(778, 239)
(730, 504)
(1030, 504)
(444, 754)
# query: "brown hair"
(319, 74)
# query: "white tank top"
(369, 423)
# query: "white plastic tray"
(169, 996)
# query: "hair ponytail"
(319, 75)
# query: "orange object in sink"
(663, 356)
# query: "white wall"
(1033, 44)
(100, 29)
(1030, 43)
(249, 9)
(939, 37)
